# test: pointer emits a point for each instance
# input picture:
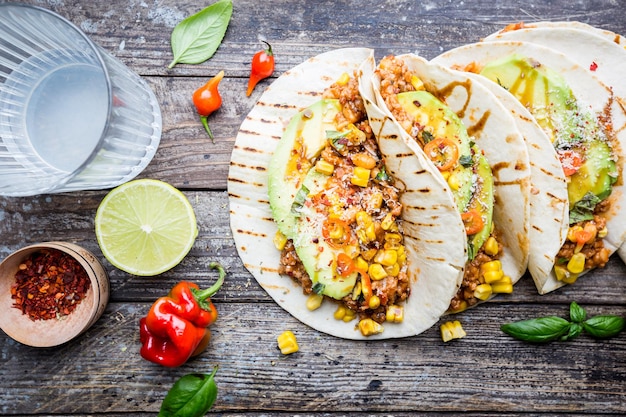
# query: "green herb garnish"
(196, 38)
(192, 395)
(583, 209)
(551, 328)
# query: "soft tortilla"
(435, 256)
(590, 91)
(495, 132)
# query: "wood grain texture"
(485, 374)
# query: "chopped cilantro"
(298, 202)
(583, 209)
(466, 161)
(318, 288)
(336, 139)
(382, 175)
(427, 136)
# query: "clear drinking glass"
(72, 117)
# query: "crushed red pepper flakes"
(49, 284)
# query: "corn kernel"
(376, 272)
(452, 330)
(350, 315)
(570, 278)
(387, 221)
(576, 264)
(602, 233)
(453, 181)
(483, 292)
(376, 200)
(361, 264)
(374, 302)
(363, 219)
(340, 313)
(287, 342)
(493, 276)
(324, 167)
(417, 83)
(360, 177)
(369, 327)
(491, 266)
(386, 257)
(344, 79)
(314, 301)
(503, 286)
(445, 175)
(560, 272)
(491, 246)
(370, 232)
(336, 233)
(393, 270)
(395, 314)
(369, 254)
(280, 240)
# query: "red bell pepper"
(177, 325)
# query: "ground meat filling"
(379, 200)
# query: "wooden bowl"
(54, 331)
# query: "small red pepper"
(177, 325)
(261, 68)
(207, 99)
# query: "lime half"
(145, 227)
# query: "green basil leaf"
(192, 395)
(577, 314)
(196, 38)
(604, 326)
(541, 330)
(574, 330)
(318, 288)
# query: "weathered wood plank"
(485, 372)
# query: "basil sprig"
(196, 38)
(192, 395)
(551, 328)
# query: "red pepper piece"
(177, 325)
(261, 68)
(207, 99)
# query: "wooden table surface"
(486, 373)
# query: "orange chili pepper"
(207, 99)
(473, 221)
(331, 225)
(262, 67)
(571, 161)
(345, 265)
(443, 152)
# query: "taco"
(472, 143)
(603, 55)
(585, 125)
(351, 236)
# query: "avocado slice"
(302, 141)
(427, 110)
(475, 179)
(596, 175)
(552, 102)
(292, 181)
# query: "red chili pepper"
(207, 99)
(177, 325)
(262, 67)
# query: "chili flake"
(49, 284)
